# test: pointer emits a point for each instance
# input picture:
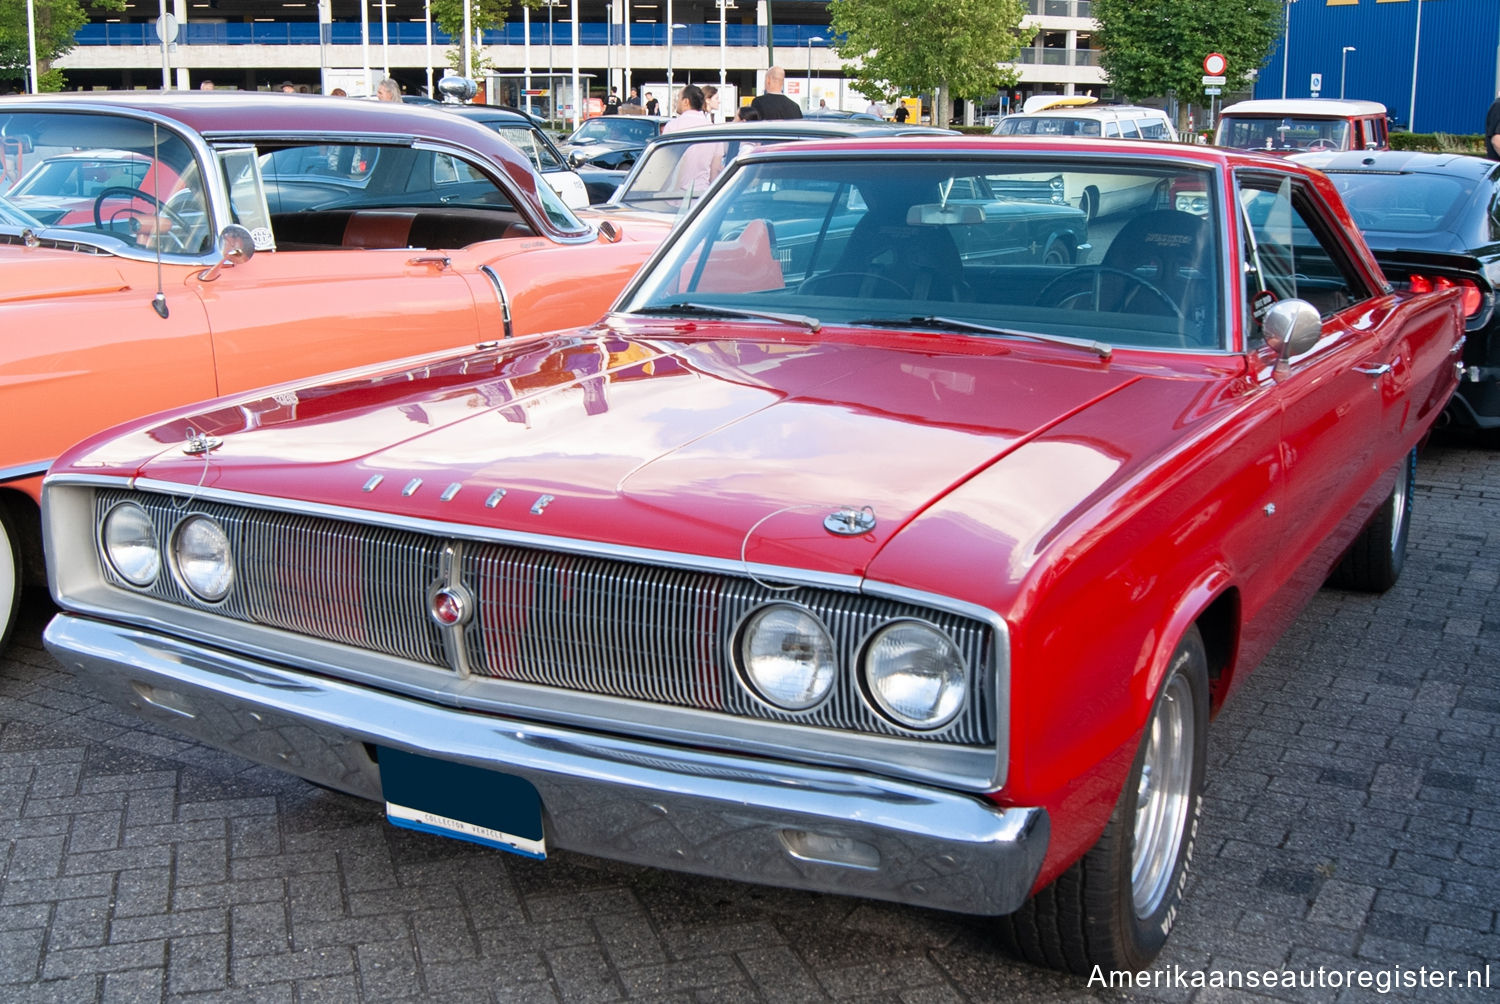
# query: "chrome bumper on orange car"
(695, 810)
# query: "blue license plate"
(462, 801)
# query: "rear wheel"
(1115, 906)
(10, 574)
(1373, 562)
(1089, 203)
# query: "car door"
(310, 308)
(1335, 439)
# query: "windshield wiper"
(1101, 349)
(706, 310)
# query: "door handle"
(1374, 371)
(438, 261)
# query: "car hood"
(674, 438)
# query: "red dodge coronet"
(860, 548)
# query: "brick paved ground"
(1352, 822)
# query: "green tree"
(56, 22)
(484, 15)
(1151, 50)
(954, 48)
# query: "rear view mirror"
(1291, 327)
(236, 246)
(935, 214)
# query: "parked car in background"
(688, 161)
(1107, 192)
(1433, 221)
(377, 231)
(1098, 121)
(522, 132)
(611, 142)
(911, 567)
(1291, 125)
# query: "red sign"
(1214, 64)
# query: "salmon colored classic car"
(914, 567)
(157, 249)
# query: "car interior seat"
(894, 260)
(1168, 249)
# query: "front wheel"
(1115, 906)
(1373, 562)
(10, 574)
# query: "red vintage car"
(913, 567)
(127, 226)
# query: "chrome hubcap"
(1163, 798)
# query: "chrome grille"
(595, 625)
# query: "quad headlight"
(915, 675)
(200, 553)
(129, 544)
(787, 657)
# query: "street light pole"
(1286, 41)
(810, 41)
(1416, 52)
(1343, 64)
(671, 30)
(723, 64)
(609, 49)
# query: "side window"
(1112, 129)
(1128, 129)
(1293, 253)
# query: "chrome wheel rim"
(9, 577)
(1163, 798)
(1400, 500)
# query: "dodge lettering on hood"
(898, 534)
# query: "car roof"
(1457, 165)
(489, 113)
(1094, 111)
(813, 128)
(1334, 107)
(1188, 155)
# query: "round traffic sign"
(1214, 64)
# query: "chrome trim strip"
(502, 295)
(688, 809)
(470, 531)
(21, 472)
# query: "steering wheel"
(1074, 299)
(812, 284)
(1322, 144)
(179, 229)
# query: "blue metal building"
(1447, 52)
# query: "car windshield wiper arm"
(706, 310)
(1101, 349)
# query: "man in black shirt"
(612, 103)
(773, 104)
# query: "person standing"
(711, 102)
(1492, 131)
(773, 104)
(651, 106)
(901, 113)
(690, 111)
(612, 103)
(388, 90)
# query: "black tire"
(1057, 252)
(1089, 203)
(1373, 562)
(12, 574)
(1114, 907)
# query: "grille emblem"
(449, 606)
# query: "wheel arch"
(1212, 602)
(26, 519)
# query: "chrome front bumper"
(711, 813)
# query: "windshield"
(1284, 133)
(999, 242)
(669, 170)
(108, 176)
(1047, 125)
(542, 154)
(614, 129)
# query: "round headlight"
(130, 544)
(915, 675)
(200, 549)
(787, 657)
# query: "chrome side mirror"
(1291, 327)
(236, 247)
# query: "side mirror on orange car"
(236, 246)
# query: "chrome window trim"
(79, 585)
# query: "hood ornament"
(849, 521)
(200, 444)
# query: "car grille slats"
(596, 625)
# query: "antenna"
(159, 301)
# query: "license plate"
(462, 801)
